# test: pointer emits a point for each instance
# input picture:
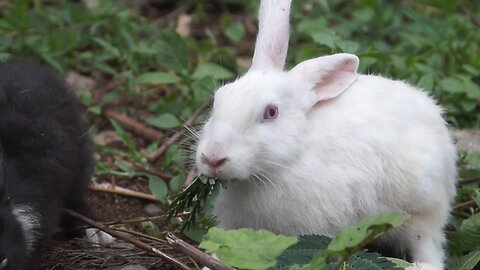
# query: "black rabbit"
(46, 160)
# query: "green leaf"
(176, 182)
(467, 237)
(302, 252)
(353, 238)
(469, 261)
(164, 121)
(246, 248)
(319, 261)
(151, 229)
(370, 261)
(325, 37)
(426, 82)
(158, 78)
(172, 51)
(399, 262)
(123, 135)
(158, 187)
(203, 88)
(235, 31)
(452, 85)
(213, 70)
(107, 46)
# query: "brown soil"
(78, 254)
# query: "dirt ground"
(78, 254)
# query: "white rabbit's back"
(381, 146)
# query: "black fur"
(47, 160)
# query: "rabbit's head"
(258, 122)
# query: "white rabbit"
(320, 147)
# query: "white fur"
(272, 40)
(29, 220)
(330, 160)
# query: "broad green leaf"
(469, 261)
(213, 70)
(325, 37)
(246, 248)
(172, 51)
(302, 252)
(158, 187)
(164, 121)
(158, 78)
(399, 262)
(235, 31)
(453, 85)
(353, 238)
(319, 261)
(467, 236)
(426, 82)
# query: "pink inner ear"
(335, 81)
(277, 48)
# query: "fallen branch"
(111, 85)
(152, 170)
(127, 239)
(468, 181)
(109, 188)
(468, 203)
(168, 142)
(195, 253)
(133, 125)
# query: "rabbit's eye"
(270, 113)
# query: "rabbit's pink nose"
(214, 163)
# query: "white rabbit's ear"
(272, 39)
(329, 75)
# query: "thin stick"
(168, 142)
(127, 239)
(111, 85)
(133, 125)
(126, 221)
(109, 188)
(468, 181)
(195, 253)
(139, 234)
(468, 203)
(153, 171)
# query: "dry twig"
(127, 239)
(133, 125)
(168, 142)
(468, 203)
(109, 188)
(195, 253)
(468, 181)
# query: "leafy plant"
(248, 249)
(193, 199)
